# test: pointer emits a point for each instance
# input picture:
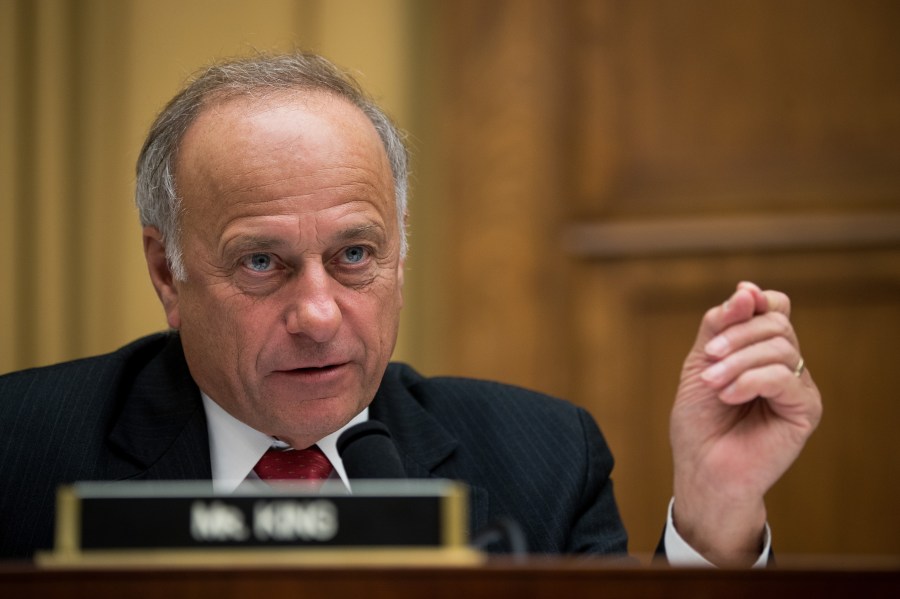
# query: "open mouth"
(313, 371)
(316, 369)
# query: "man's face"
(291, 245)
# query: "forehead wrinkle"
(285, 211)
(245, 242)
(361, 181)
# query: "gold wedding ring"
(800, 368)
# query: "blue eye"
(355, 254)
(258, 262)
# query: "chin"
(314, 418)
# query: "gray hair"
(156, 192)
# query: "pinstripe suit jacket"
(137, 414)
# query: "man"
(273, 198)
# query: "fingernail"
(718, 346)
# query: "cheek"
(219, 321)
(231, 341)
(379, 316)
(361, 317)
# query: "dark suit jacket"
(137, 414)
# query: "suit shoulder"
(78, 377)
(482, 397)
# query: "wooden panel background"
(614, 168)
(590, 176)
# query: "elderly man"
(272, 193)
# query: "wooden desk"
(537, 578)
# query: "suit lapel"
(424, 445)
(163, 434)
(162, 426)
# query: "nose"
(313, 310)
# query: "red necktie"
(293, 464)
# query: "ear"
(161, 274)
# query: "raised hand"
(744, 409)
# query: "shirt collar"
(235, 447)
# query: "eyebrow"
(369, 232)
(260, 243)
(244, 244)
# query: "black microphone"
(503, 529)
(368, 452)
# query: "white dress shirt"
(235, 448)
(679, 553)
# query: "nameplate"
(122, 518)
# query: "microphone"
(368, 452)
(503, 529)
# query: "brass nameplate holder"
(409, 522)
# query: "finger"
(740, 307)
(759, 297)
(772, 382)
(778, 302)
(756, 330)
(773, 351)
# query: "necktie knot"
(293, 464)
